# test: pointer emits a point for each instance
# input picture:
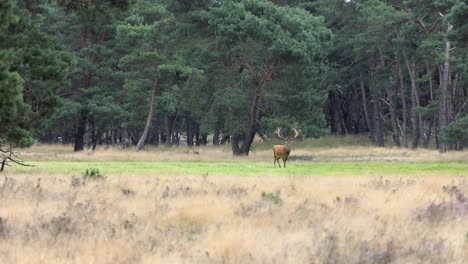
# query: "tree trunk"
(403, 103)
(427, 136)
(204, 139)
(113, 137)
(255, 109)
(80, 132)
(253, 128)
(343, 118)
(378, 131)
(393, 117)
(364, 106)
(81, 129)
(235, 145)
(415, 116)
(377, 122)
(66, 137)
(197, 134)
(141, 142)
(393, 111)
(156, 137)
(216, 137)
(188, 126)
(443, 105)
(175, 137)
(254, 120)
(225, 138)
(169, 122)
(94, 134)
(332, 115)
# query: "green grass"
(247, 168)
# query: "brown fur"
(281, 151)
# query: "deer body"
(283, 151)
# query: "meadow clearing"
(338, 204)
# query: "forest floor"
(339, 204)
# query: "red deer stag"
(282, 151)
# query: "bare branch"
(8, 156)
(251, 71)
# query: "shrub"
(3, 228)
(93, 174)
(272, 197)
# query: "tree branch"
(10, 156)
(251, 71)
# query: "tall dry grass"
(149, 218)
(188, 219)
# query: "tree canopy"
(199, 72)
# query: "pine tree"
(32, 70)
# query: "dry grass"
(175, 219)
(155, 218)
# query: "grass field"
(339, 204)
(248, 168)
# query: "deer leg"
(274, 161)
(277, 160)
(284, 162)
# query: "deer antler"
(278, 132)
(296, 133)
